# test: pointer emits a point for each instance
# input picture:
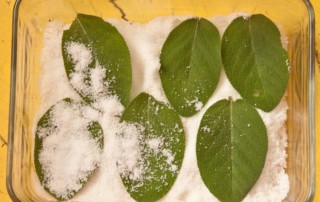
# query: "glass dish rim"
(311, 47)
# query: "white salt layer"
(69, 153)
(145, 42)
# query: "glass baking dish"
(295, 17)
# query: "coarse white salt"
(168, 155)
(130, 161)
(85, 79)
(206, 129)
(155, 144)
(133, 152)
(195, 102)
(80, 54)
(198, 105)
(145, 42)
(69, 153)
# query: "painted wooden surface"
(6, 10)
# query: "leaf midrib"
(84, 30)
(231, 141)
(254, 58)
(192, 50)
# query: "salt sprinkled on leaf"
(129, 154)
(158, 148)
(133, 152)
(198, 105)
(103, 47)
(99, 86)
(69, 151)
(80, 54)
(155, 144)
(87, 78)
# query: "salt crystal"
(198, 105)
(155, 144)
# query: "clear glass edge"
(312, 151)
(12, 100)
(312, 186)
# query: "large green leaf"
(109, 54)
(254, 60)
(161, 145)
(231, 149)
(190, 65)
(48, 127)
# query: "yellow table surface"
(6, 9)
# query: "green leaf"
(254, 60)
(231, 149)
(49, 127)
(109, 54)
(161, 145)
(191, 65)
